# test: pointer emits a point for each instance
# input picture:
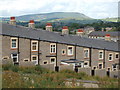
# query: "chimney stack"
(107, 37)
(65, 30)
(49, 27)
(12, 21)
(79, 32)
(31, 24)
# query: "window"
(100, 66)
(45, 62)
(52, 60)
(53, 48)
(26, 60)
(5, 57)
(100, 54)
(70, 50)
(86, 53)
(13, 43)
(117, 56)
(115, 67)
(94, 68)
(108, 69)
(34, 45)
(110, 57)
(63, 51)
(35, 59)
(86, 64)
(14, 57)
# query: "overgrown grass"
(38, 77)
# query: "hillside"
(110, 19)
(56, 16)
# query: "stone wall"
(68, 67)
(86, 70)
(100, 73)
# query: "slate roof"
(71, 60)
(57, 37)
(102, 33)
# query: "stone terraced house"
(57, 51)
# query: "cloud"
(87, 7)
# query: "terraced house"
(57, 51)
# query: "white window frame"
(26, 59)
(5, 57)
(84, 52)
(34, 60)
(101, 54)
(94, 67)
(54, 61)
(52, 49)
(99, 64)
(108, 68)
(116, 54)
(16, 43)
(109, 56)
(16, 57)
(115, 69)
(32, 45)
(45, 61)
(64, 51)
(69, 54)
(87, 64)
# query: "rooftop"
(103, 33)
(26, 32)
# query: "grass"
(38, 77)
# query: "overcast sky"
(92, 8)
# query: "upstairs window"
(34, 45)
(110, 57)
(117, 56)
(86, 53)
(63, 51)
(53, 48)
(100, 54)
(14, 42)
(70, 50)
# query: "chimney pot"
(31, 21)
(48, 24)
(107, 37)
(31, 24)
(49, 27)
(12, 21)
(12, 18)
(65, 27)
(65, 30)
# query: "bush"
(14, 68)
(7, 66)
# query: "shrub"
(7, 66)
(14, 68)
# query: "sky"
(93, 8)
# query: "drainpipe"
(30, 49)
(18, 50)
(104, 59)
(90, 53)
(38, 51)
(56, 56)
(75, 51)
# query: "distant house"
(88, 30)
(113, 36)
